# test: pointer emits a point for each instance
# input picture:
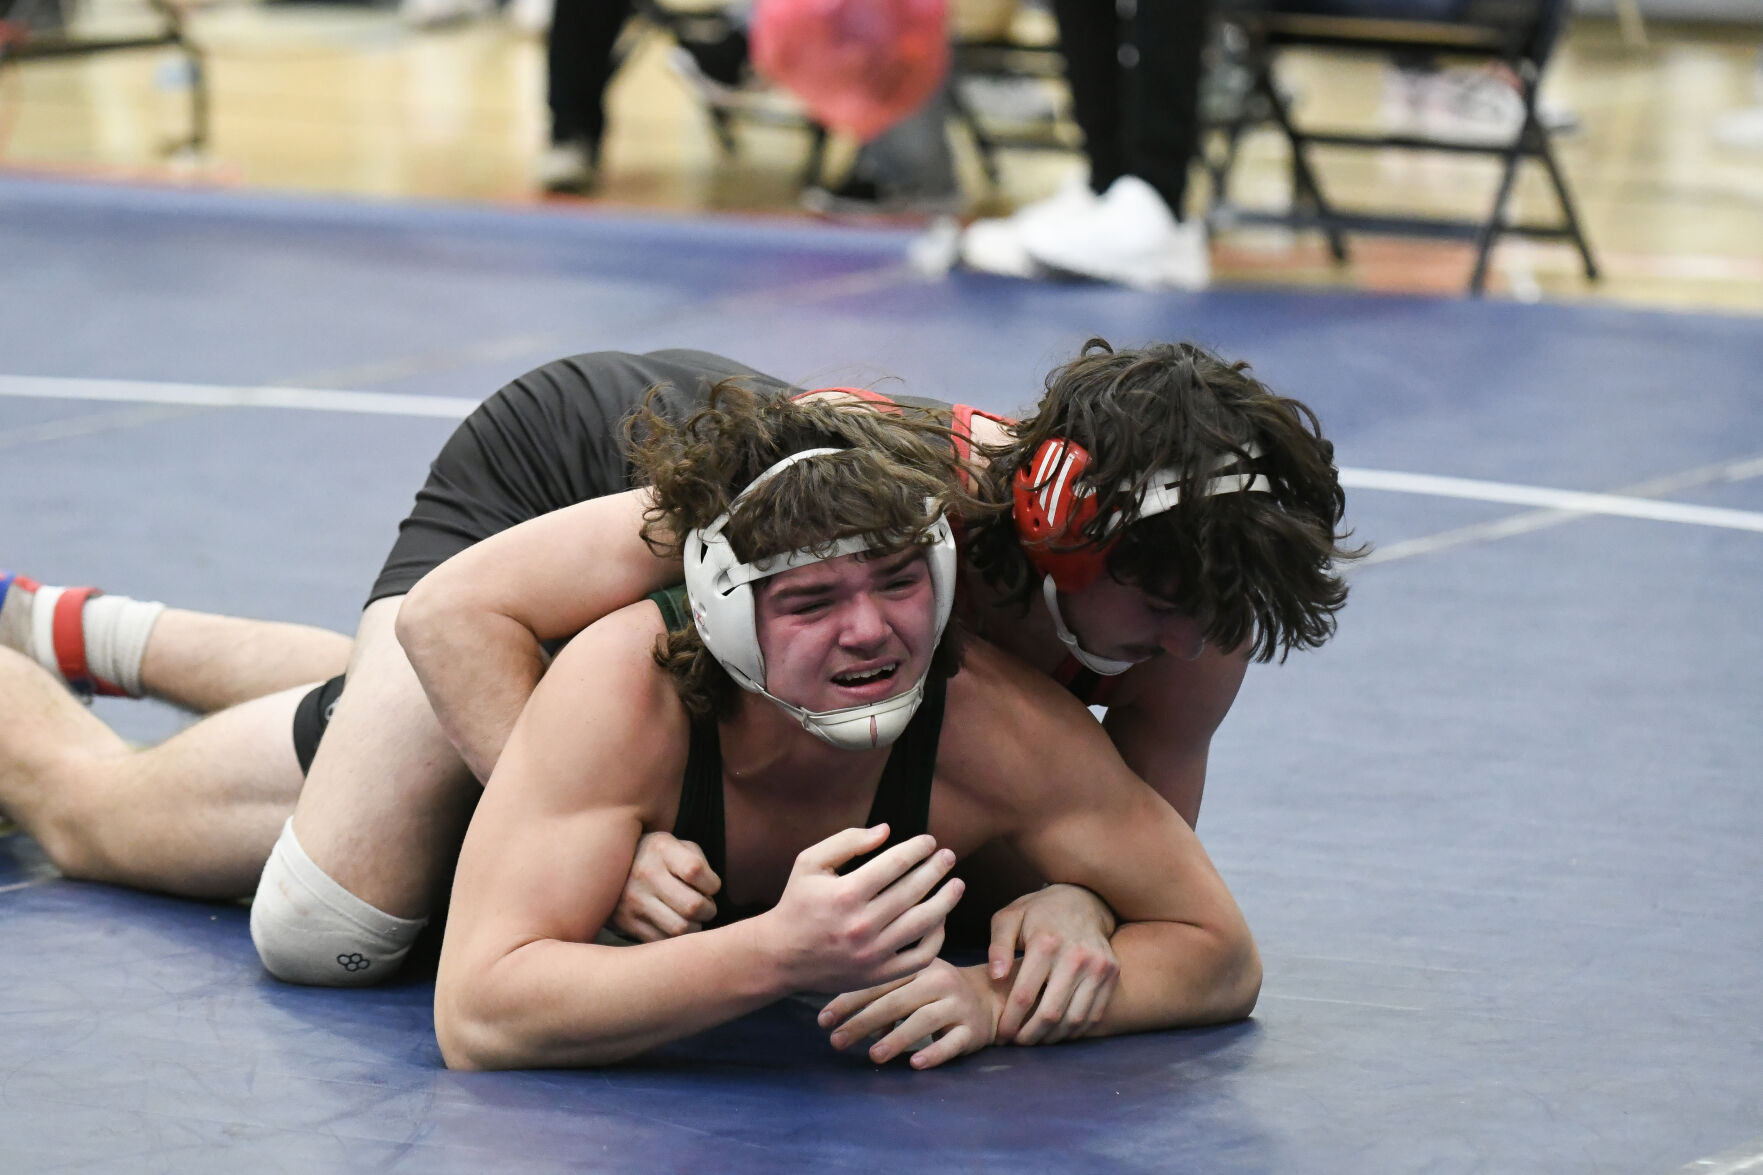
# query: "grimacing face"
(848, 631)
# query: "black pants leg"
(1135, 87)
(1089, 38)
(1162, 117)
(578, 60)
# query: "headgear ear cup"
(1052, 513)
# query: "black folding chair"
(994, 58)
(1515, 33)
(22, 40)
(724, 105)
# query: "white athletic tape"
(116, 629)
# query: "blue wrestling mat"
(1499, 842)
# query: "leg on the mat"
(194, 816)
(196, 660)
(387, 797)
(205, 662)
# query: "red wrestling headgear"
(1053, 513)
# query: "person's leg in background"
(1134, 73)
(1136, 231)
(579, 66)
(1088, 41)
(1161, 122)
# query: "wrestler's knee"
(309, 929)
(75, 826)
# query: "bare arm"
(590, 764)
(1076, 815)
(1080, 816)
(1164, 723)
(473, 626)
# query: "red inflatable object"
(859, 66)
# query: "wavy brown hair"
(897, 476)
(1262, 568)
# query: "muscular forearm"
(552, 1004)
(477, 667)
(1176, 975)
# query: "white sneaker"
(996, 246)
(1128, 236)
(566, 167)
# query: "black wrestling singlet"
(902, 797)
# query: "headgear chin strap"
(1095, 664)
(1050, 507)
(720, 588)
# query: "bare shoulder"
(608, 672)
(616, 639)
(1009, 731)
(1185, 694)
(605, 715)
(987, 431)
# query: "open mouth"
(861, 678)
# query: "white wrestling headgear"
(1162, 493)
(720, 588)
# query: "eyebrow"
(888, 565)
(800, 591)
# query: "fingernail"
(839, 1040)
(879, 1055)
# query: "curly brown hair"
(897, 476)
(1260, 567)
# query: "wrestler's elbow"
(1213, 974)
(468, 1039)
(1239, 976)
(1228, 972)
(477, 1022)
(426, 616)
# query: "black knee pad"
(311, 717)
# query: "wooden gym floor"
(332, 99)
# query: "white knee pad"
(308, 929)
